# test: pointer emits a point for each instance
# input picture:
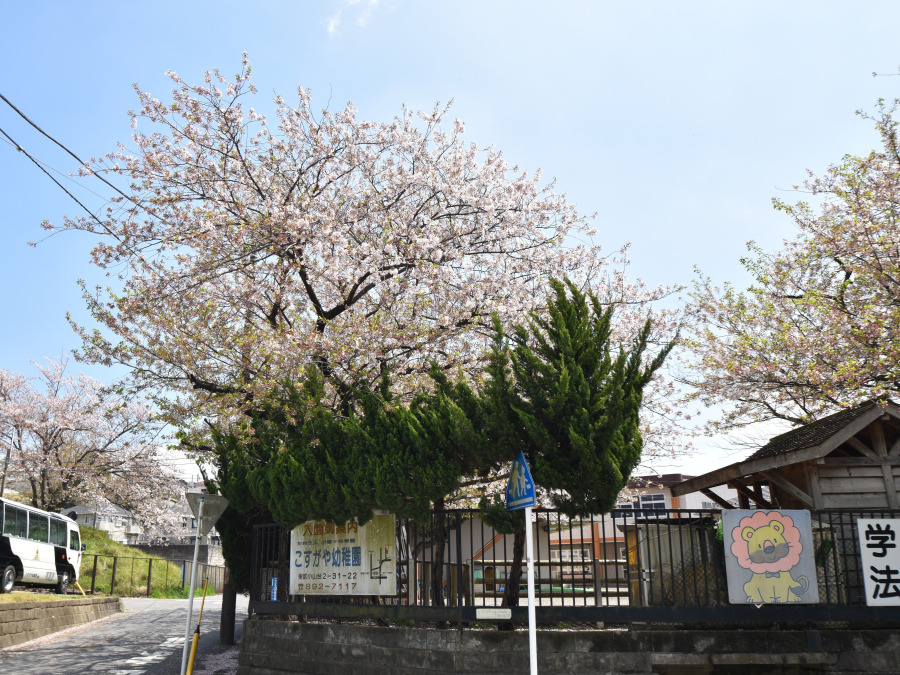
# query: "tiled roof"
(811, 435)
(106, 510)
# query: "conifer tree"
(570, 399)
(564, 394)
(303, 462)
(578, 399)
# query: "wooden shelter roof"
(812, 435)
(802, 444)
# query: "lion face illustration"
(766, 542)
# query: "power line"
(60, 185)
(77, 158)
(65, 175)
(18, 147)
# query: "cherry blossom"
(73, 441)
(247, 250)
(817, 330)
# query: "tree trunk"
(227, 618)
(437, 554)
(35, 493)
(514, 579)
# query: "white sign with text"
(879, 548)
(344, 559)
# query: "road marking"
(146, 659)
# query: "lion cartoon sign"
(769, 557)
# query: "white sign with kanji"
(344, 559)
(879, 547)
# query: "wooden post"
(426, 583)
(112, 583)
(812, 475)
(887, 472)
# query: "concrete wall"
(24, 621)
(280, 647)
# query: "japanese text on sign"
(878, 546)
(344, 559)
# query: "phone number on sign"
(334, 586)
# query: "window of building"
(654, 501)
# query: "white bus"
(38, 547)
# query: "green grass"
(131, 570)
(24, 596)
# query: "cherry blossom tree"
(72, 441)
(245, 252)
(818, 329)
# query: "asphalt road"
(147, 638)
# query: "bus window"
(74, 542)
(15, 523)
(57, 532)
(38, 527)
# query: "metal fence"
(635, 565)
(130, 577)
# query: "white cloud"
(361, 9)
(366, 13)
(333, 22)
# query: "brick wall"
(24, 621)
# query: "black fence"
(635, 565)
(150, 577)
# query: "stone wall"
(24, 621)
(273, 647)
(206, 554)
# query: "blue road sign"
(520, 488)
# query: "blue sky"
(675, 122)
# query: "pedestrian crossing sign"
(520, 488)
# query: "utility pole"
(5, 469)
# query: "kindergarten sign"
(344, 559)
(879, 547)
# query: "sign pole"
(520, 494)
(529, 552)
(187, 631)
(207, 509)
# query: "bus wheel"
(62, 586)
(8, 580)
